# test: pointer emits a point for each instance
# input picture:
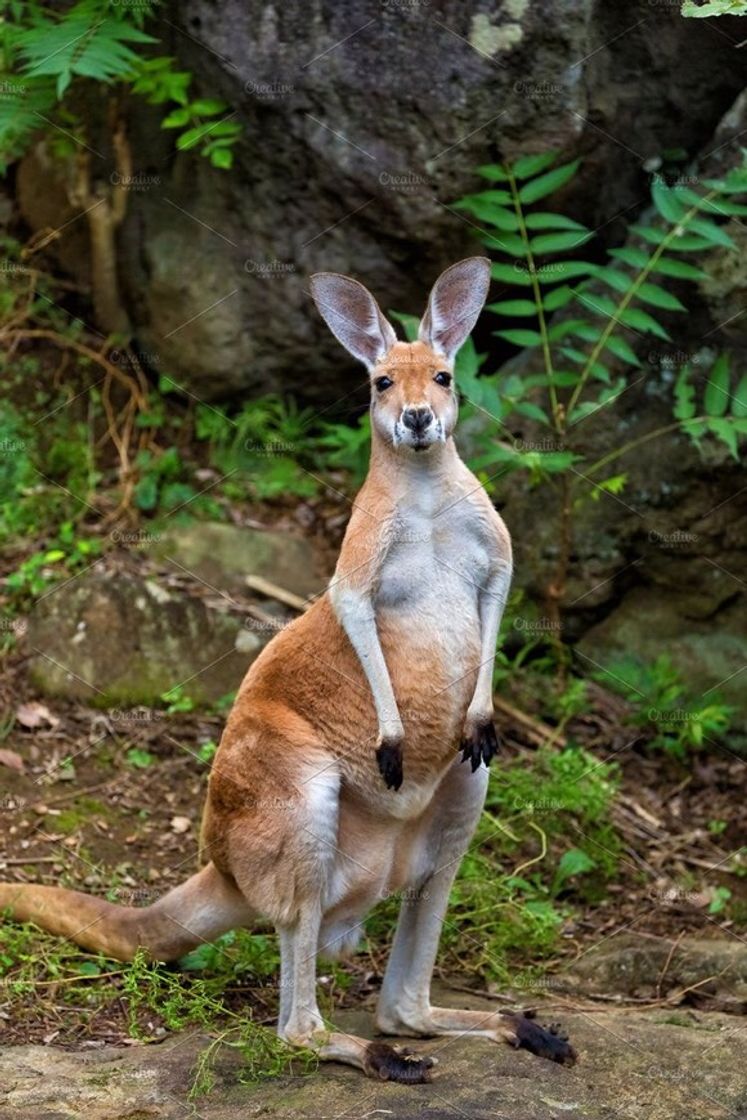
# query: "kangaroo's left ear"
(455, 302)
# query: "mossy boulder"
(713, 970)
(224, 555)
(111, 637)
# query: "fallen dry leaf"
(180, 824)
(12, 760)
(34, 714)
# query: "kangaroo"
(340, 777)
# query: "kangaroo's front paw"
(394, 1063)
(547, 1042)
(389, 758)
(479, 742)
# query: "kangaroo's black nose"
(417, 419)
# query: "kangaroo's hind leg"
(303, 1024)
(284, 864)
(404, 1004)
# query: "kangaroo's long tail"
(197, 911)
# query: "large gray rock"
(114, 638)
(361, 123)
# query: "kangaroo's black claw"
(393, 1063)
(480, 744)
(546, 1042)
(389, 758)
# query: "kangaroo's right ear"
(353, 316)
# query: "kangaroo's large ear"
(353, 316)
(455, 302)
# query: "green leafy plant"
(549, 815)
(673, 719)
(270, 445)
(197, 1000)
(719, 900)
(703, 9)
(139, 758)
(177, 700)
(197, 994)
(47, 52)
(67, 553)
(347, 447)
(575, 318)
(206, 123)
(206, 751)
(162, 481)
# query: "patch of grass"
(179, 1001)
(70, 820)
(31, 960)
(546, 822)
(34, 965)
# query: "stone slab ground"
(633, 1065)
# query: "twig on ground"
(536, 730)
(273, 591)
(13, 862)
(668, 961)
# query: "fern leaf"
(724, 430)
(547, 243)
(658, 297)
(520, 337)
(548, 183)
(540, 220)
(739, 401)
(527, 166)
(642, 321)
(716, 396)
(80, 43)
(510, 274)
(518, 307)
(684, 396)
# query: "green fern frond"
(614, 302)
(85, 41)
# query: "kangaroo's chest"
(438, 560)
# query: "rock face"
(361, 123)
(631, 1064)
(113, 638)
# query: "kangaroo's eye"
(383, 383)
(443, 378)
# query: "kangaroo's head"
(413, 398)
